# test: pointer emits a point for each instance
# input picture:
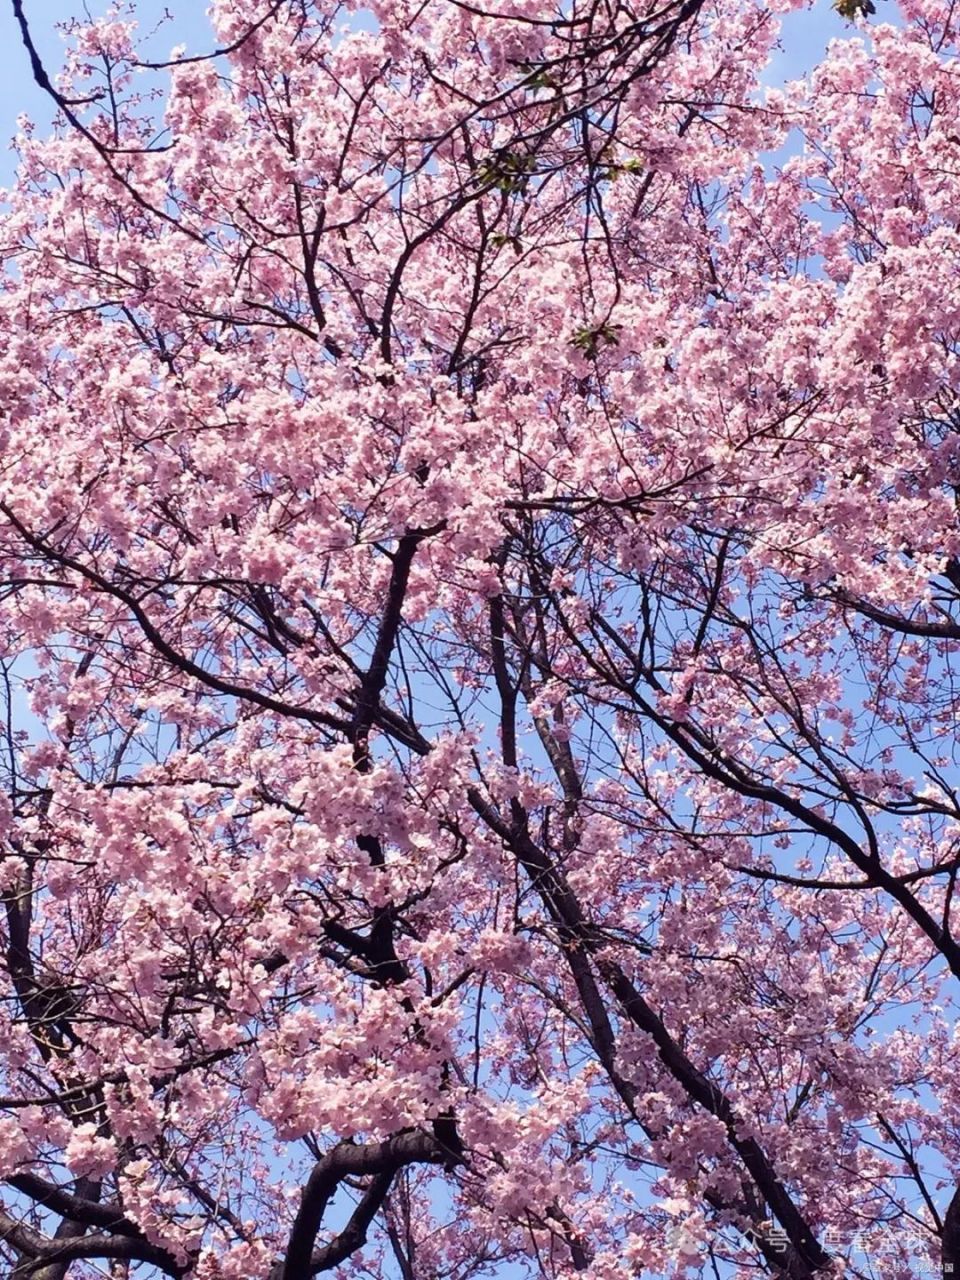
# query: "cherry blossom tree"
(480, 603)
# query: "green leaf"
(588, 339)
(500, 241)
(611, 172)
(508, 171)
(851, 9)
(537, 76)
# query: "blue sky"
(805, 34)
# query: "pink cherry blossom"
(480, 612)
